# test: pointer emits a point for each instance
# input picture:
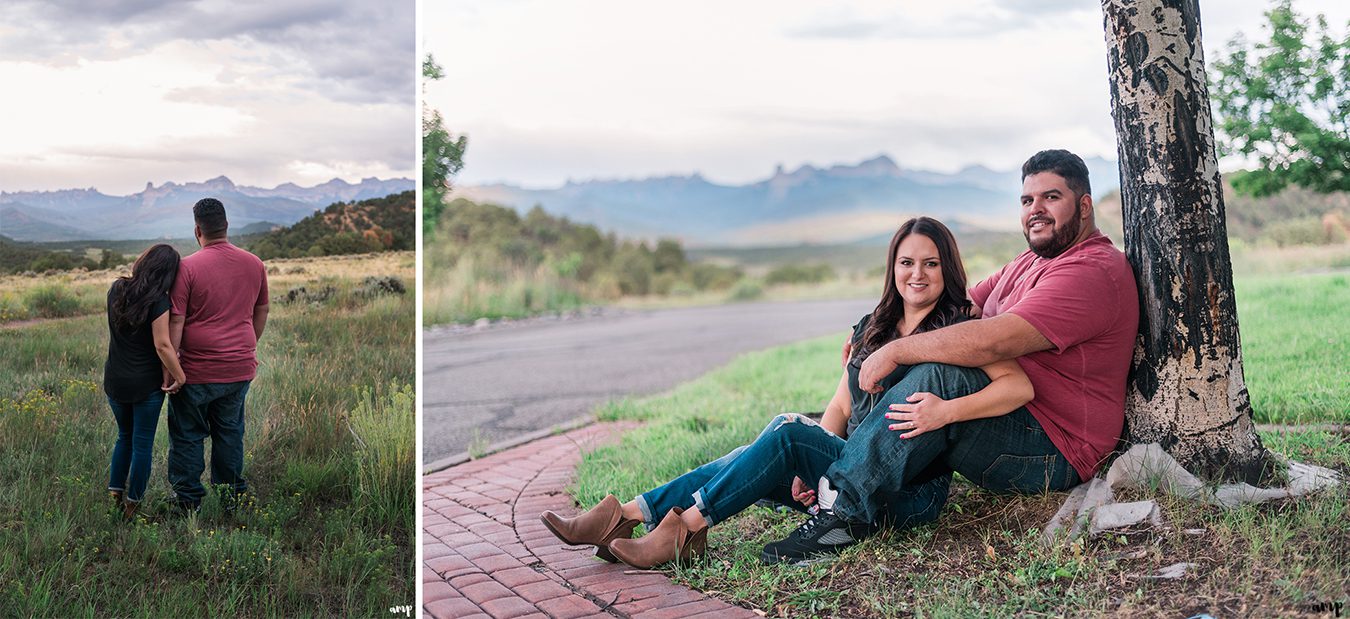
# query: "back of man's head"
(1061, 162)
(209, 215)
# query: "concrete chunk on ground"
(1093, 507)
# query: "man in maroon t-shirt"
(1067, 310)
(218, 314)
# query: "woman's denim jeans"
(791, 446)
(1008, 453)
(136, 424)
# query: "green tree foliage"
(1286, 102)
(378, 224)
(442, 153)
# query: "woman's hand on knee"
(924, 412)
(804, 494)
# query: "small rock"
(1173, 571)
(1124, 515)
(481, 323)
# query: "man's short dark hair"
(1063, 163)
(209, 214)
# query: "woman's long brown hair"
(151, 277)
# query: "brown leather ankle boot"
(598, 526)
(129, 509)
(670, 541)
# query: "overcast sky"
(549, 90)
(116, 94)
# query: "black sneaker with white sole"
(820, 537)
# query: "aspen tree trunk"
(1186, 388)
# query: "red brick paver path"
(486, 554)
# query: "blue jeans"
(131, 454)
(196, 412)
(790, 446)
(1009, 453)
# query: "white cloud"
(113, 95)
(550, 90)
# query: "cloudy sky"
(116, 94)
(549, 90)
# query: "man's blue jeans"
(1008, 453)
(131, 454)
(791, 446)
(196, 412)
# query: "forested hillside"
(16, 257)
(378, 224)
(488, 260)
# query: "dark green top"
(862, 401)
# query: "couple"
(188, 329)
(1028, 398)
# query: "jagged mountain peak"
(166, 209)
(222, 183)
(800, 204)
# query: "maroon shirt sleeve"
(980, 293)
(178, 295)
(1070, 304)
(262, 290)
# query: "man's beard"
(1060, 240)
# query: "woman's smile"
(918, 271)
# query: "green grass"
(327, 529)
(1295, 343)
(982, 558)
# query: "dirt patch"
(32, 322)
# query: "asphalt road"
(491, 385)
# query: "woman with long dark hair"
(139, 352)
(924, 289)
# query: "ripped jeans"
(790, 446)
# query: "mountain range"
(839, 204)
(166, 211)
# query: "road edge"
(462, 457)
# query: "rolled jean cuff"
(648, 518)
(703, 509)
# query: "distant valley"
(166, 211)
(839, 204)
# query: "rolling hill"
(377, 224)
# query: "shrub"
(714, 277)
(799, 274)
(1304, 231)
(386, 465)
(746, 290)
(52, 301)
(373, 286)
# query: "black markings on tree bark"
(1187, 391)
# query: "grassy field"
(1295, 346)
(328, 527)
(982, 557)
